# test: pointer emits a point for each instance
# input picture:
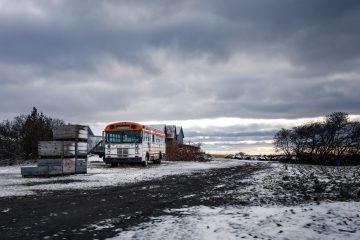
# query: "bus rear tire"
(158, 161)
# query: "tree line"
(19, 137)
(327, 142)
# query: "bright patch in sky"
(231, 135)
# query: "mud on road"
(102, 213)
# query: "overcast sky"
(247, 67)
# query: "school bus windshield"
(124, 137)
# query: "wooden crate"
(62, 148)
(54, 170)
(59, 165)
(35, 171)
(68, 166)
(70, 132)
(50, 148)
(48, 162)
(81, 166)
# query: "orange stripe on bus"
(133, 126)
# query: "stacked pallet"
(71, 132)
(67, 154)
(62, 148)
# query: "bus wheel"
(158, 161)
(160, 157)
(147, 158)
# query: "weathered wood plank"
(70, 132)
(61, 148)
(34, 171)
(47, 162)
(69, 166)
(81, 166)
(54, 170)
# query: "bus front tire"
(145, 163)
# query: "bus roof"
(132, 126)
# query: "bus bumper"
(123, 160)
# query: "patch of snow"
(333, 220)
(99, 226)
(5, 210)
(94, 158)
(189, 196)
(294, 183)
(101, 175)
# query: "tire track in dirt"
(101, 213)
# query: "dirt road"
(101, 213)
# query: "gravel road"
(102, 213)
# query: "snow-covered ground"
(279, 202)
(100, 175)
(286, 202)
(294, 183)
(333, 220)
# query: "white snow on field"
(100, 175)
(333, 220)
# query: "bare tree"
(282, 141)
(321, 142)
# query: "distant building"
(160, 127)
(179, 134)
(174, 134)
(170, 132)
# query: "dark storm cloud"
(111, 60)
